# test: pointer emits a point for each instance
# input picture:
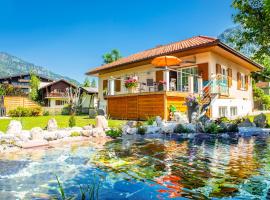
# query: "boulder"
(131, 124)
(92, 113)
(36, 133)
(75, 128)
(180, 118)
(62, 134)
(14, 127)
(246, 123)
(168, 128)
(200, 127)
(126, 130)
(52, 125)
(101, 122)
(101, 112)
(159, 121)
(194, 117)
(49, 135)
(7, 138)
(260, 120)
(191, 127)
(228, 127)
(88, 127)
(98, 132)
(87, 133)
(153, 129)
(250, 131)
(204, 119)
(32, 144)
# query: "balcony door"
(182, 78)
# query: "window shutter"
(117, 85)
(105, 84)
(238, 80)
(246, 82)
(159, 76)
(218, 69)
(229, 72)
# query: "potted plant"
(161, 85)
(193, 105)
(131, 84)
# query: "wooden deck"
(140, 106)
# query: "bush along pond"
(146, 160)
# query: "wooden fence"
(12, 102)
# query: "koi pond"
(143, 168)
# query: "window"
(149, 82)
(222, 111)
(233, 111)
(242, 81)
(117, 85)
(60, 102)
(182, 78)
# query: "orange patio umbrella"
(165, 61)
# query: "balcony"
(56, 95)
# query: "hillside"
(12, 65)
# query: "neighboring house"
(22, 81)
(54, 95)
(209, 68)
(89, 98)
(265, 86)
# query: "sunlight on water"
(144, 169)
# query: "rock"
(36, 133)
(87, 133)
(246, 123)
(131, 124)
(75, 128)
(101, 112)
(49, 135)
(32, 144)
(194, 117)
(88, 127)
(168, 128)
(250, 131)
(228, 127)
(260, 120)
(101, 122)
(152, 129)
(92, 113)
(200, 127)
(14, 127)
(159, 121)
(98, 132)
(62, 134)
(180, 118)
(191, 127)
(24, 135)
(204, 119)
(52, 125)
(8, 138)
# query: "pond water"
(144, 168)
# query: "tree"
(86, 82)
(93, 83)
(111, 56)
(34, 84)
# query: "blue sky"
(69, 37)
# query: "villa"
(209, 68)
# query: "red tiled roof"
(191, 43)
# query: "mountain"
(232, 32)
(12, 65)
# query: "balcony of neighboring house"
(55, 94)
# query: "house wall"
(242, 99)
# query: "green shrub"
(75, 134)
(150, 120)
(46, 113)
(65, 110)
(181, 129)
(25, 112)
(223, 119)
(114, 133)
(141, 130)
(213, 128)
(72, 121)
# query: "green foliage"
(9, 90)
(260, 97)
(75, 134)
(72, 121)
(25, 112)
(34, 84)
(213, 128)
(181, 129)
(111, 56)
(66, 110)
(93, 83)
(114, 133)
(150, 121)
(86, 82)
(173, 108)
(46, 113)
(141, 129)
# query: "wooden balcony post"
(166, 78)
(200, 85)
(191, 84)
(111, 87)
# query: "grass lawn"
(62, 120)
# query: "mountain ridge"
(11, 65)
